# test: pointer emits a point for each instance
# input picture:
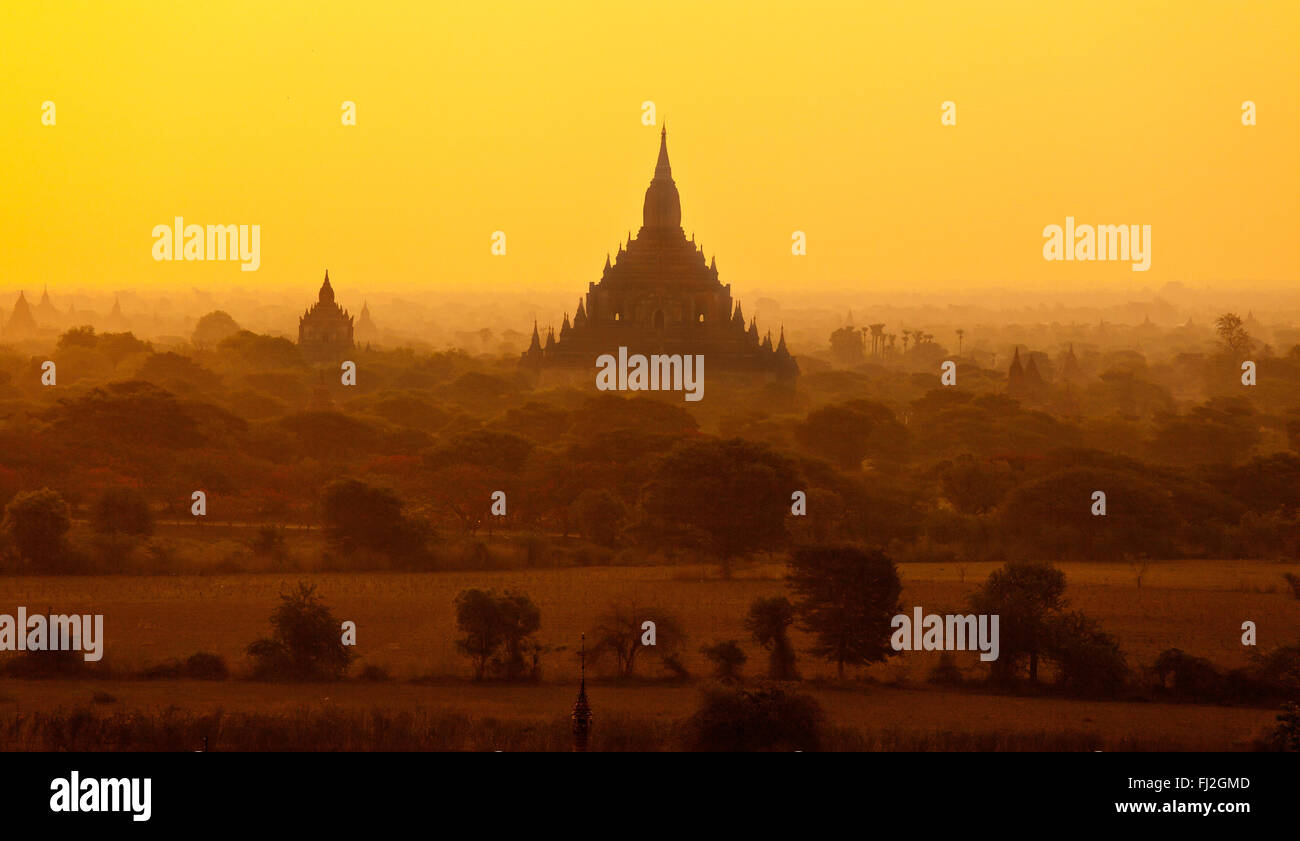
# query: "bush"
(37, 523)
(1090, 661)
(1279, 670)
(763, 719)
(122, 511)
(1187, 676)
(306, 642)
(1294, 581)
(45, 664)
(374, 674)
(946, 673)
(269, 543)
(1286, 736)
(205, 666)
(200, 666)
(727, 658)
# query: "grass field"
(406, 624)
(882, 717)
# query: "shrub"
(946, 673)
(205, 666)
(374, 673)
(1286, 736)
(269, 543)
(1187, 676)
(1090, 661)
(122, 511)
(305, 643)
(762, 719)
(200, 666)
(37, 523)
(727, 658)
(769, 621)
(45, 664)
(1294, 581)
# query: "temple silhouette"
(660, 295)
(325, 330)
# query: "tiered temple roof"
(661, 295)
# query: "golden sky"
(475, 117)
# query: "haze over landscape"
(889, 240)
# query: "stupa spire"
(581, 716)
(662, 167)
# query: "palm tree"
(877, 339)
(960, 334)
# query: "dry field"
(886, 717)
(406, 624)
(406, 621)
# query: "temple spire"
(581, 715)
(662, 167)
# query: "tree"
(848, 433)
(118, 346)
(213, 328)
(769, 621)
(622, 628)
(1028, 598)
(83, 336)
(122, 510)
(1053, 514)
(498, 632)
(727, 658)
(306, 641)
(599, 515)
(359, 516)
(973, 486)
(1232, 333)
(848, 597)
(476, 617)
(847, 345)
(519, 619)
(734, 494)
(37, 523)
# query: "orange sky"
(526, 118)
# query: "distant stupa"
(581, 715)
(1070, 373)
(366, 331)
(45, 312)
(21, 323)
(1016, 376)
(116, 322)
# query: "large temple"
(325, 330)
(660, 295)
